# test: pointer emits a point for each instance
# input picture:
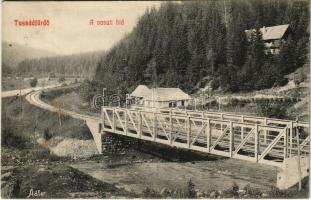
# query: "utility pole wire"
(225, 8)
(154, 83)
(20, 92)
(298, 159)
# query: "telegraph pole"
(127, 96)
(154, 83)
(20, 92)
(298, 159)
(218, 104)
(225, 8)
(203, 98)
(104, 96)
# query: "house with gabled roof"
(272, 36)
(160, 97)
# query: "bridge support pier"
(289, 176)
(96, 130)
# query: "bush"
(10, 139)
(272, 110)
(190, 193)
(281, 82)
(186, 192)
(33, 82)
(252, 192)
(235, 189)
(8, 136)
(214, 84)
(52, 75)
(232, 192)
(38, 154)
(234, 102)
(61, 79)
(149, 192)
(46, 134)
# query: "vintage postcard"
(155, 99)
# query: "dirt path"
(11, 93)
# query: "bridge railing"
(264, 143)
(232, 117)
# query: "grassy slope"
(34, 166)
(71, 99)
(31, 119)
(266, 106)
(58, 181)
(22, 127)
(13, 84)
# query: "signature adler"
(35, 193)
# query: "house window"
(172, 104)
(182, 103)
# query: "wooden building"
(272, 36)
(160, 97)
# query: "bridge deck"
(257, 139)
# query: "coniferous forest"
(82, 65)
(191, 44)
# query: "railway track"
(34, 99)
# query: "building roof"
(160, 94)
(141, 91)
(270, 33)
(168, 94)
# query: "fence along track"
(256, 139)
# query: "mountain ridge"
(13, 53)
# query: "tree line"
(82, 65)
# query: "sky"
(69, 30)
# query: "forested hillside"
(184, 44)
(76, 64)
